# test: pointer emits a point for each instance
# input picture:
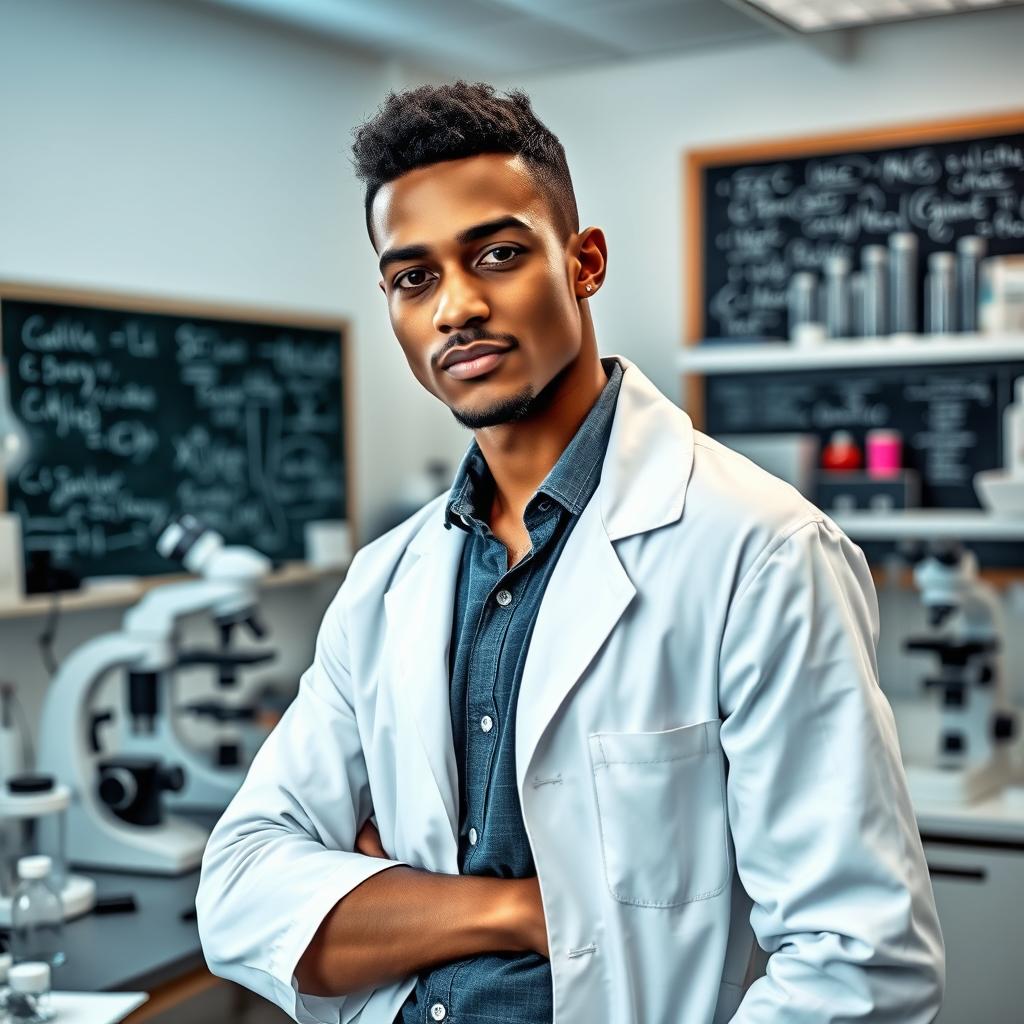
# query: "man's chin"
(510, 409)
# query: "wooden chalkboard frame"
(695, 161)
(175, 306)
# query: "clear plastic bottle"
(28, 1000)
(37, 914)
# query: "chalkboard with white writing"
(135, 416)
(764, 217)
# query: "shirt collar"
(571, 481)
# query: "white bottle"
(37, 914)
(1013, 432)
(28, 1001)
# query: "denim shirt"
(495, 611)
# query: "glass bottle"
(903, 281)
(37, 914)
(970, 251)
(875, 271)
(28, 1001)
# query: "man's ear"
(380, 285)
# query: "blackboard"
(138, 412)
(761, 214)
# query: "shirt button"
(438, 1012)
(472, 842)
(504, 598)
(487, 723)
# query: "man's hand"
(525, 908)
(368, 841)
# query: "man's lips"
(465, 369)
(471, 351)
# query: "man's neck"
(520, 455)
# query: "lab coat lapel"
(644, 478)
(585, 597)
(418, 609)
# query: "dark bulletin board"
(765, 213)
(138, 411)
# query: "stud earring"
(589, 288)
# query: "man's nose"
(460, 301)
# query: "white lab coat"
(703, 755)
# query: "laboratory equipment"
(1002, 490)
(116, 818)
(875, 291)
(884, 450)
(857, 303)
(37, 918)
(970, 251)
(33, 811)
(837, 296)
(940, 287)
(28, 996)
(802, 297)
(903, 279)
(971, 759)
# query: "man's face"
(482, 263)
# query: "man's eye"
(413, 279)
(509, 252)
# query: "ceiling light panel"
(823, 15)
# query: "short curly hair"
(432, 123)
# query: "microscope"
(116, 818)
(971, 761)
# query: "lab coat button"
(438, 1012)
(472, 842)
(487, 723)
(504, 598)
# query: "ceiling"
(503, 37)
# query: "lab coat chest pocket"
(661, 804)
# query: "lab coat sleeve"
(825, 838)
(282, 855)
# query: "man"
(587, 735)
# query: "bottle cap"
(940, 261)
(837, 264)
(34, 867)
(33, 976)
(5, 965)
(971, 245)
(903, 240)
(871, 254)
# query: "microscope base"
(171, 848)
(931, 784)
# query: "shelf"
(929, 524)
(900, 350)
(121, 595)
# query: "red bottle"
(841, 453)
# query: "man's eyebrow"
(473, 234)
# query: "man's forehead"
(434, 203)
